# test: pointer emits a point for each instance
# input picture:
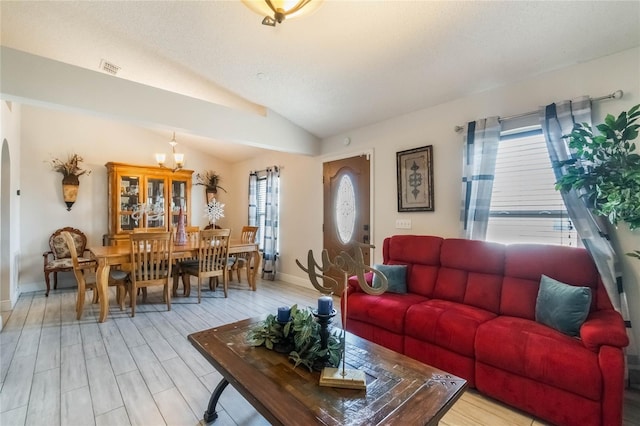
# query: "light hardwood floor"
(55, 370)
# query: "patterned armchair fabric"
(58, 258)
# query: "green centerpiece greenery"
(605, 168)
(300, 337)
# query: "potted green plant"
(71, 171)
(300, 338)
(606, 168)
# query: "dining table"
(108, 256)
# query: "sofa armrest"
(353, 284)
(604, 327)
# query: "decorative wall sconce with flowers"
(70, 170)
(210, 180)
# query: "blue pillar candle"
(284, 314)
(325, 305)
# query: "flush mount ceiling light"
(178, 158)
(276, 11)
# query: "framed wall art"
(415, 179)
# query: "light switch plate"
(403, 223)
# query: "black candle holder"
(323, 320)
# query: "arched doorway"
(5, 234)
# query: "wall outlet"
(403, 223)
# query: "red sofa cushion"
(386, 311)
(524, 266)
(471, 272)
(422, 255)
(447, 324)
(538, 352)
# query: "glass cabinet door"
(129, 204)
(155, 203)
(178, 200)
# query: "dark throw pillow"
(562, 306)
(396, 277)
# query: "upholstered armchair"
(58, 258)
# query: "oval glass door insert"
(345, 209)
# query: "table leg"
(102, 284)
(210, 415)
(254, 273)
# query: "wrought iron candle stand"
(324, 321)
(331, 376)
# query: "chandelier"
(276, 11)
(178, 158)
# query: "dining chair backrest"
(151, 256)
(191, 231)
(71, 246)
(153, 229)
(213, 251)
(248, 234)
(151, 264)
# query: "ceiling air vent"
(109, 67)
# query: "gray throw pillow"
(562, 306)
(396, 277)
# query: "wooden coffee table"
(400, 390)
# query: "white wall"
(49, 133)
(10, 209)
(300, 207)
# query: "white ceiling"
(349, 64)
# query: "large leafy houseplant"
(605, 167)
(300, 337)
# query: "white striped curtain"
(478, 170)
(272, 209)
(557, 120)
(270, 206)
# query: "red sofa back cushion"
(421, 254)
(471, 272)
(524, 265)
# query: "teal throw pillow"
(562, 306)
(396, 277)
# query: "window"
(261, 210)
(525, 206)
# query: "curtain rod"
(264, 170)
(615, 95)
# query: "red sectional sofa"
(470, 310)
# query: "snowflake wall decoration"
(214, 211)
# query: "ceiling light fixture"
(178, 158)
(276, 11)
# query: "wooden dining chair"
(151, 264)
(192, 239)
(243, 260)
(85, 274)
(213, 254)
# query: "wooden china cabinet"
(145, 197)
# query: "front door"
(346, 208)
